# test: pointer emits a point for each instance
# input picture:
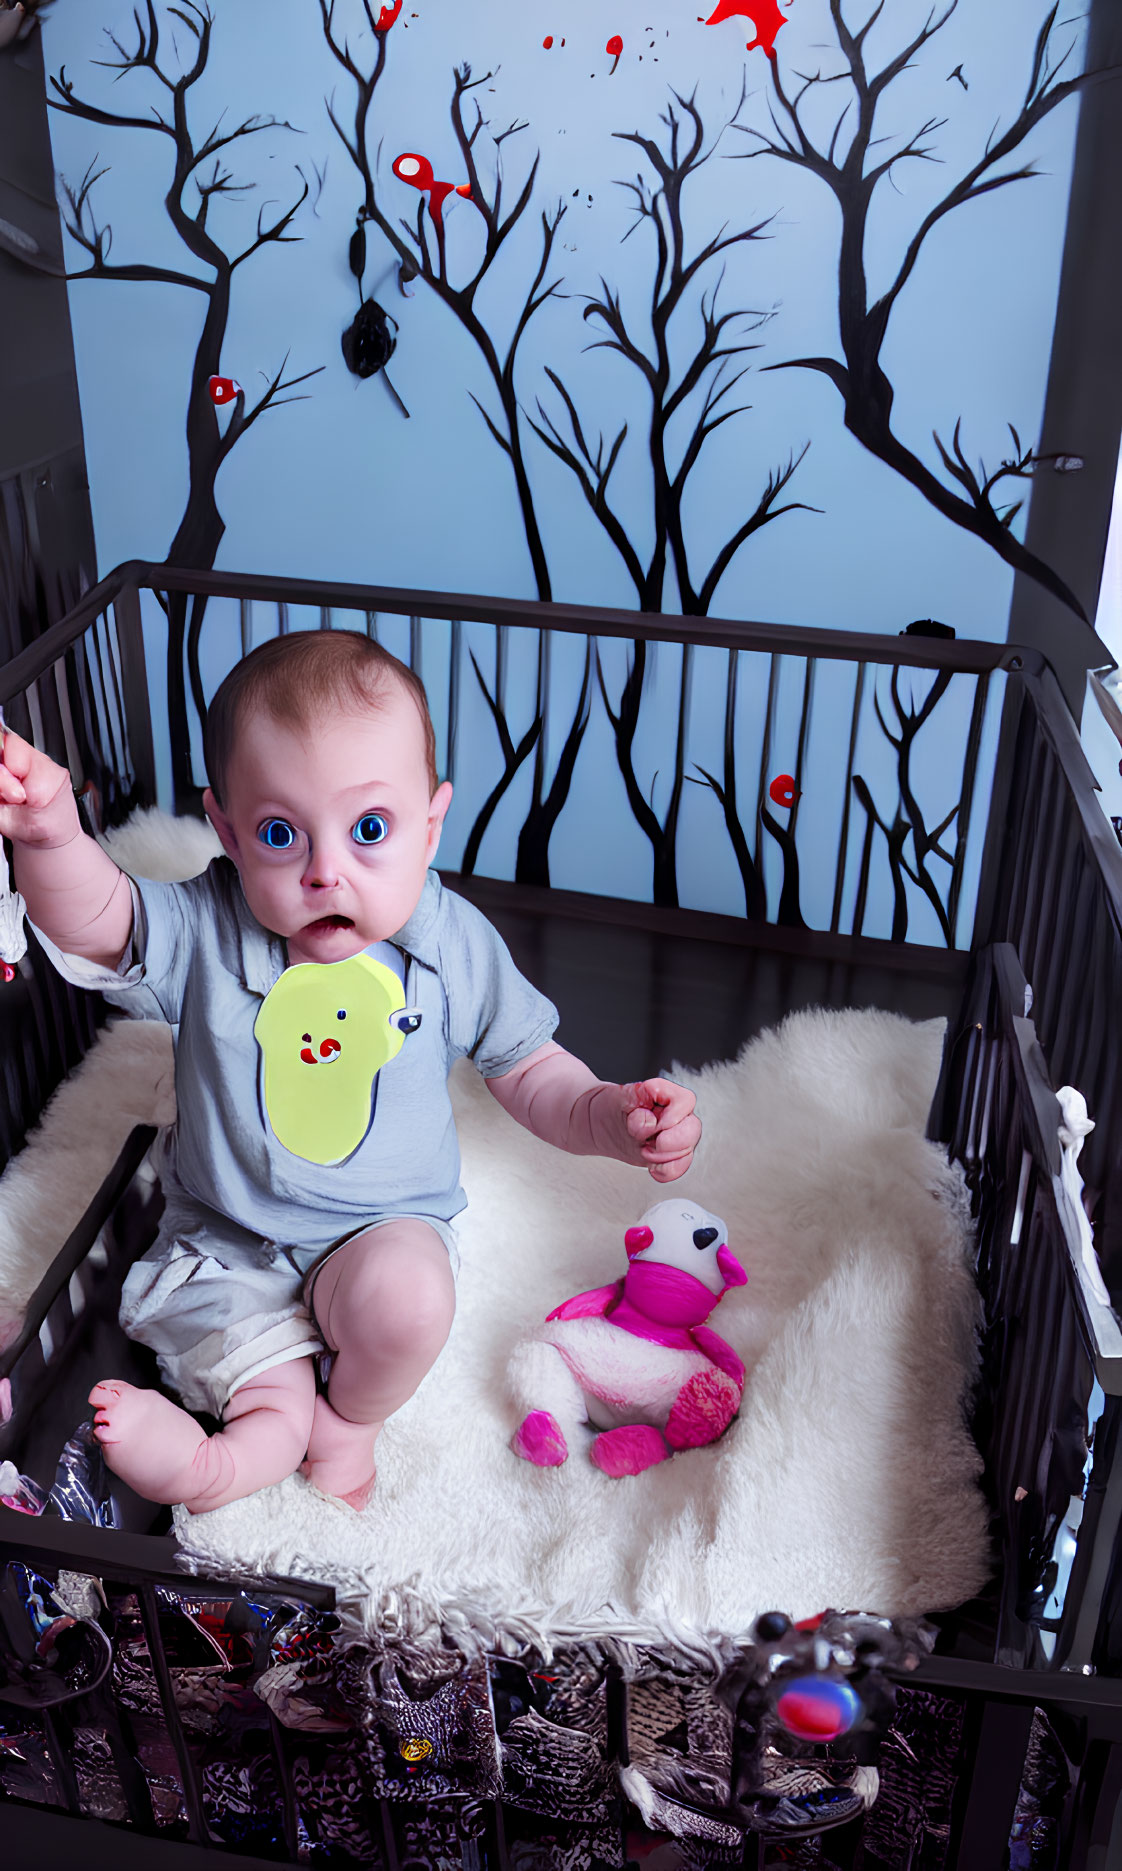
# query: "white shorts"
(219, 1305)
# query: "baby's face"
(331, 825)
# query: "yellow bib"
(325, 1031)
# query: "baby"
(323, 791)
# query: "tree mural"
(421, 244)
(547, 800)
(908, 822)
(198, 178)
(690, 387)
(421, 248)
(684, 394)
(846, 159)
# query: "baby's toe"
(106, 1392)
(110, 1402)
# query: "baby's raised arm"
(73, 890)
(650, 1124)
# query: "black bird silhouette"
(957, 73)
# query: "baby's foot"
(340, 1458)
(152, 1444)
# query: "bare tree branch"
(765, 511)
(411, 244)
(201, 527)
(273, 398)
(674, 156)
(844, 166)
(277, 230)
(82, 226)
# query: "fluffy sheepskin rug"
(848, 1478)
(126, 1079)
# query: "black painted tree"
(520, 270)
(420, 243)
(197, 177)
(909, 842)
(831, 123)
(548, 793)
(684, 389)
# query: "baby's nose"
(322, 872)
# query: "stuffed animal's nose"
(704, 1237)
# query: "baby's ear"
(221, 825)
(438, 807)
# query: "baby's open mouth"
(331, 922)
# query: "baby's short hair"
(295, 677)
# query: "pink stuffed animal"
(635, 1359)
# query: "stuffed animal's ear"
(636, 1239)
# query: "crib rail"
(1050, 1402)
(79, 692)
(708, 750)
(46, 1026)
(644, 745)
(1053, 890)
(148, 646)
(84, 1279)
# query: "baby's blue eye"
(370, 830)
(277, 834)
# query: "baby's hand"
(36, 801)
(660, 1121)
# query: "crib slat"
(134, 682)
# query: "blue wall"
(342, 486)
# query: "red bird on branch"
(417, 171)
(783, 790)
(387, 16)
(764, 15)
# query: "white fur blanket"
(848, 1478)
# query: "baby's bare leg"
(162, 1452)
(384, 1304)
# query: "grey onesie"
(219, 1295)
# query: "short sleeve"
(496, 1018)
(152, 975)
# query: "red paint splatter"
(614, 49)
(764, 15)
(387, 16)
(224, 389)
(783, 790)
(547, 43)
(417, 171)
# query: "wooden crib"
(840, 886)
